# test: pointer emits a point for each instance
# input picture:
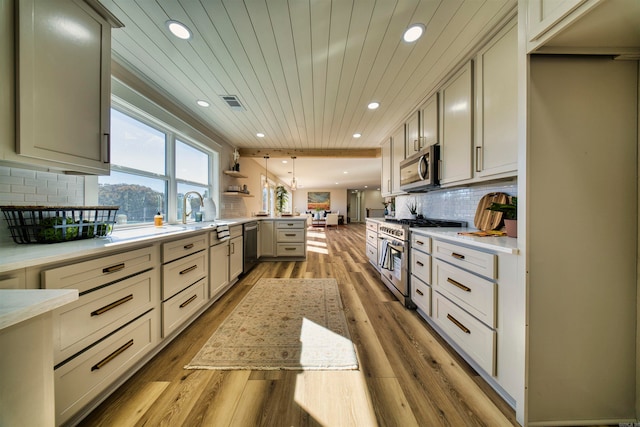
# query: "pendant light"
(294, 183)
(266, 172)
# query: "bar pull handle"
(233, 249)
(189, 246)
(478, 153)
(458, 284)
(112, 356)
(419, 242)
(111, 306)
(290, 234)
(189, 301)
(457, 256)
(458, 324)
(420, 264)
(113, 268)
(289, 249)
(419, 292)
(188, 270)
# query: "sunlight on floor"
(332, 398)
(317, 250)
(320, 343)
(316, 234)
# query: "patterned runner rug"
(295, 324)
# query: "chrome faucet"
(185, 214)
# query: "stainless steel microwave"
(419, 172)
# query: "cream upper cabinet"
(7, 88)
(547, 18)
(63, 73)
(397, 146)
(456, 124)
(496, 115)
(385, 184)
(429, 122)
(413, 141)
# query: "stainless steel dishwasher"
(250, 236)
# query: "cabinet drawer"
(290, 249)
(235, 231)
(179, 308)
(372, 237)
(479, 262)
(183, 247)
(474, 338)
(421, 295)
(290, 224)
(179, 274)
(96, 314)
(421, 265)
(80, 380)
(87, 275)
(294, 235)
(372, 253)
(421, 243)
(475, 294)
(373, 226)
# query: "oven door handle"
(396, 248)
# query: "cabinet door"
(63, 84)
(218, 268)
(235, 257)
(455, 150)
(496, 143)
(267, 243)
(397, 146)
(429, 122)
(412, 143)
(385, 184)
(7, 86)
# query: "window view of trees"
(139, 202)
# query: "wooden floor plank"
(408, 375)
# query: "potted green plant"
(509, 215)
(413, 208)
(281, 198)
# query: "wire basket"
(55, 224)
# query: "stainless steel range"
(394, 253)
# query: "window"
(152, 168)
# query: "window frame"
(172, 135)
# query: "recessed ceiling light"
(357, 135)
(179, 30)
(202, 103)
(337, 183)
(373, 105)
(284, 161)
(413, 33)
(345, 172)
(260, 135)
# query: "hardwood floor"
(408, 376)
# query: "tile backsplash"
(453, 203)
(25, 187)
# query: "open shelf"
(237, 193)
(234, 174)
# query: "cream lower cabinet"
(113, 324)
(420, 262)
(267, 240)
(218, 265)
(371, 245)
(236, 252)
(475, 306)
(184, 280)
(291, 238)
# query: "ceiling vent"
(233, 102)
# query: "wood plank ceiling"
(304, 70)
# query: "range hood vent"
(233, 102)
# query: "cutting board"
(486, 220)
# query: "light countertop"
(18, 305)
(14, 256)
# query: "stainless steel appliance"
(394, 253)
(420, 172)
(250, 237)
